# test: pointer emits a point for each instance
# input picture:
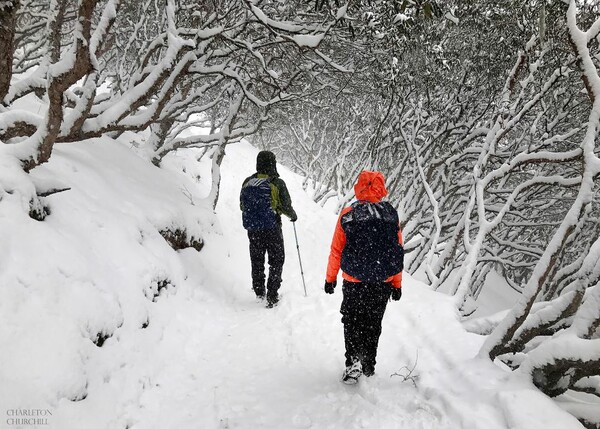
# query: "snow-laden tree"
(330, 137)
(109, 67)
(559, 343)
(322, 138)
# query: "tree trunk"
(59, 83)
(556, 378)
(7, 36)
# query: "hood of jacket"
(370, 186)
(266, 163)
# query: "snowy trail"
(245, 366)
(204, 354)
(259, 368)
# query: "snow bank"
(86, 276)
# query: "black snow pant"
(362, 311)
(269, 241)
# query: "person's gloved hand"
(330, 286)
(294, 217)
(396, 293)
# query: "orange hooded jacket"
(370, 186)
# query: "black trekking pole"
(299, 259)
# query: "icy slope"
(203, 353)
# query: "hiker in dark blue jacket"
(263, 199)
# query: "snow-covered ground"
(201, 352)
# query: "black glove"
(330, 286)
(396, 293)
(294, 217)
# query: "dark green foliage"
(38, 211)
(154, 290)
(101, 337)
(178, 239)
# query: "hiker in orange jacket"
(367, 246)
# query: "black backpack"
(257, 208)
(372, 252)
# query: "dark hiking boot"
(272, 301)
(368, 367)
(368, 370)
(352, 373)
(260, 293)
